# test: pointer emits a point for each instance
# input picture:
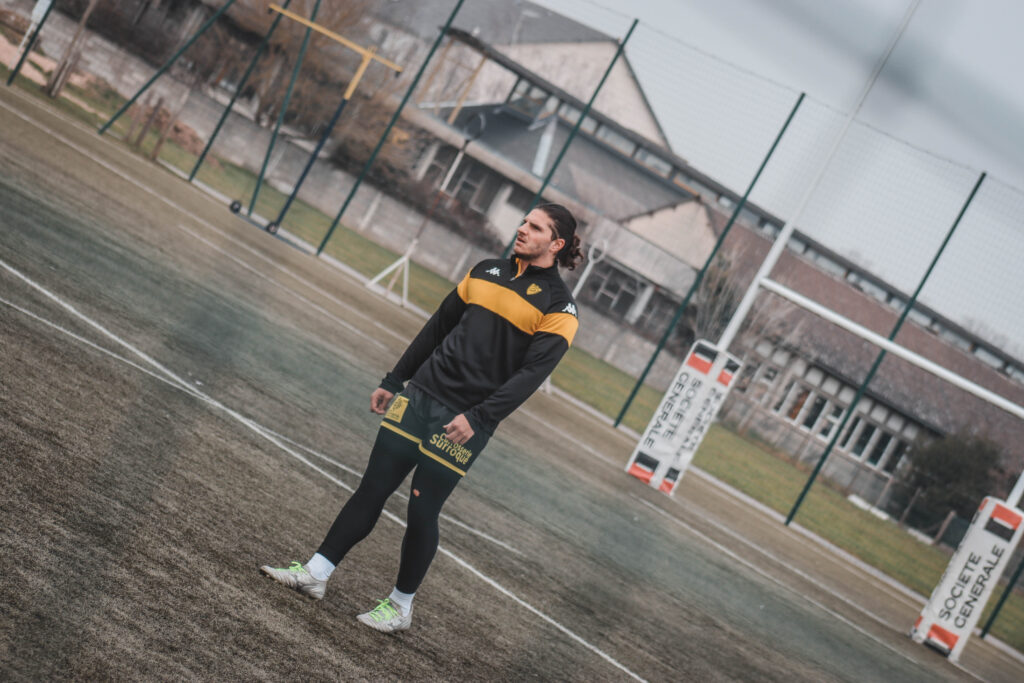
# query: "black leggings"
(391, 460)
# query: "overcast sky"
(721, 76)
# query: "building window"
(863, 439)
(616, 140)
(796, 244)
(989, 358)
(868, 287)
(828, 265)
(656, 314)
(831, 420)
(893, 461)
(653, 162)
(520, 198)
(817, 406)
(878, 450)
(777, 408)
(849, 431)
(922, 319)
(746, 374)
(749, 217)
(439, 165)
(570, 113)
(473, 184)
(799, 399)
(528, 99)
(769, 375)
(611, 290)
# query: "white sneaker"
(297, 577)
(387, 617)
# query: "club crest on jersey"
(494, 271)
(532, 289)
(570, 309)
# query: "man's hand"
(458, 430)
(379, 400)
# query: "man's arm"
(545, 351)
(445, 318)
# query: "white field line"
(259, 430)
(757, 570)
(145, 188)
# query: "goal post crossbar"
(911, 357)
(893, 348)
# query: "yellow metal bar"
(465, 90)
(425, 90)
(367, 58)
(334, 36)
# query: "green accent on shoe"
(384, 610)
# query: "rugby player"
(487, 348)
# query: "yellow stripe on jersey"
(503, 302)
(560, 323)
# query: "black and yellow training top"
(492, 342)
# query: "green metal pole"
(707, 264)
(167, 65)
(238, 91)
(284, 109)
(1002, 598)
(28, 45)
(572, 134)
(391, 123)
(881, 355)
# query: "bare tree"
(71, 54)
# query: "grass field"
(148, 478)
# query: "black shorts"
(419, 418)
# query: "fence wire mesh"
(655, 171)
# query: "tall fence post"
(1002, 598)
(387, 130)
(238, 91)
(284, 108)
(166, 65)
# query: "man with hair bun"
(492, 342)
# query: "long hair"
(565, 227)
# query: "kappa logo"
(494, 271)
(570, 309)
(532, 289)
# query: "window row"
(871, 435)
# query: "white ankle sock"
(320, 567)
(403, 600)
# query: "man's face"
(536, 237)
